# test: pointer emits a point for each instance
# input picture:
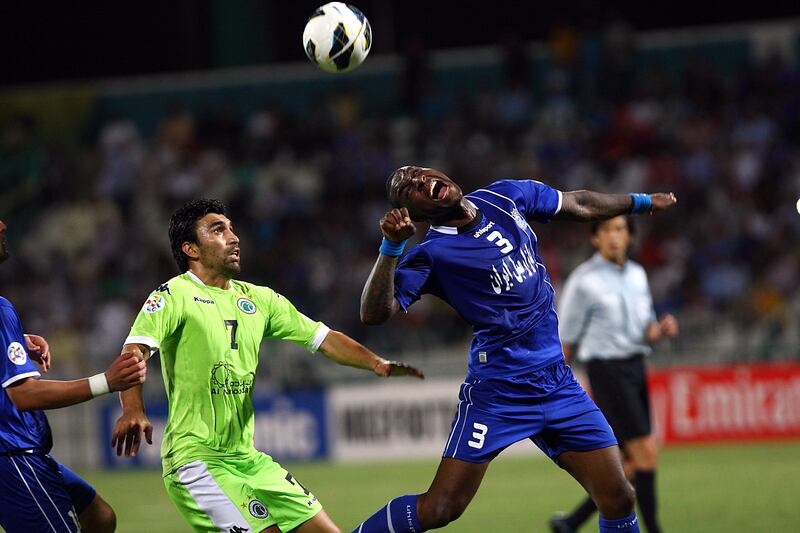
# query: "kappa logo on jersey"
(258, 509)
(17, 354)
(237, 529)
(247, 306)
(154, 304)
(164, 287)
(203, 300)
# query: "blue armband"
(391, 248)
(641, 203)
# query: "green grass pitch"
(706, 489)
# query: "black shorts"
(619, 388)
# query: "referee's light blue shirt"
(605, 309)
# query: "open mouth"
(234, 255)
(438, 190)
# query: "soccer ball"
(337, 37)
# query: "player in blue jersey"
(39, 494)
(481, 256)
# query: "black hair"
(595, 225)
(183, 226)
(393, 201)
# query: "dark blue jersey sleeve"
(412, 277)
(535, 200)
(16, 364)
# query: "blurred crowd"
(88, 226)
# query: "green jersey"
(208, 339)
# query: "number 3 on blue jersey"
(502, 242)
(479, 435)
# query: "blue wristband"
(641, 203)
(391, 248)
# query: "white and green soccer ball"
(337, 37)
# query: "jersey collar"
(454, 230)
(599, 259)
(200, 282)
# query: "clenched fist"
(396, 225)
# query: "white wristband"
(98, 384)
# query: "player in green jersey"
(207, 328)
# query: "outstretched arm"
(347, 351)
(377, 299)
(589, 205)
(38, 394)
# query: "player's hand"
(661, 200)
(128, 431)
(396, 225)
(393, 368)
(668, 325)
(39, 350)
(125, 372)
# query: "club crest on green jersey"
(247, 306)
(258, 509)
(154, 304)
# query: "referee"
(606, 318)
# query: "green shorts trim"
(222, 495)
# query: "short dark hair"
(595, 225)
(183, 226)
(393, 201)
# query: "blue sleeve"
(16, 363)
(411, 279)
(534, 199)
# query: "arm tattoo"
(377, 299)
(589, 205)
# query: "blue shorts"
(40, 494)
(547, 406)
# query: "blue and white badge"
(247, 306)
(519, 219)
(17, 354)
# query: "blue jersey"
(18, 430)
(490, 272)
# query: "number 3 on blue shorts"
(479, 435)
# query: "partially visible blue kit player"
(38, 493)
